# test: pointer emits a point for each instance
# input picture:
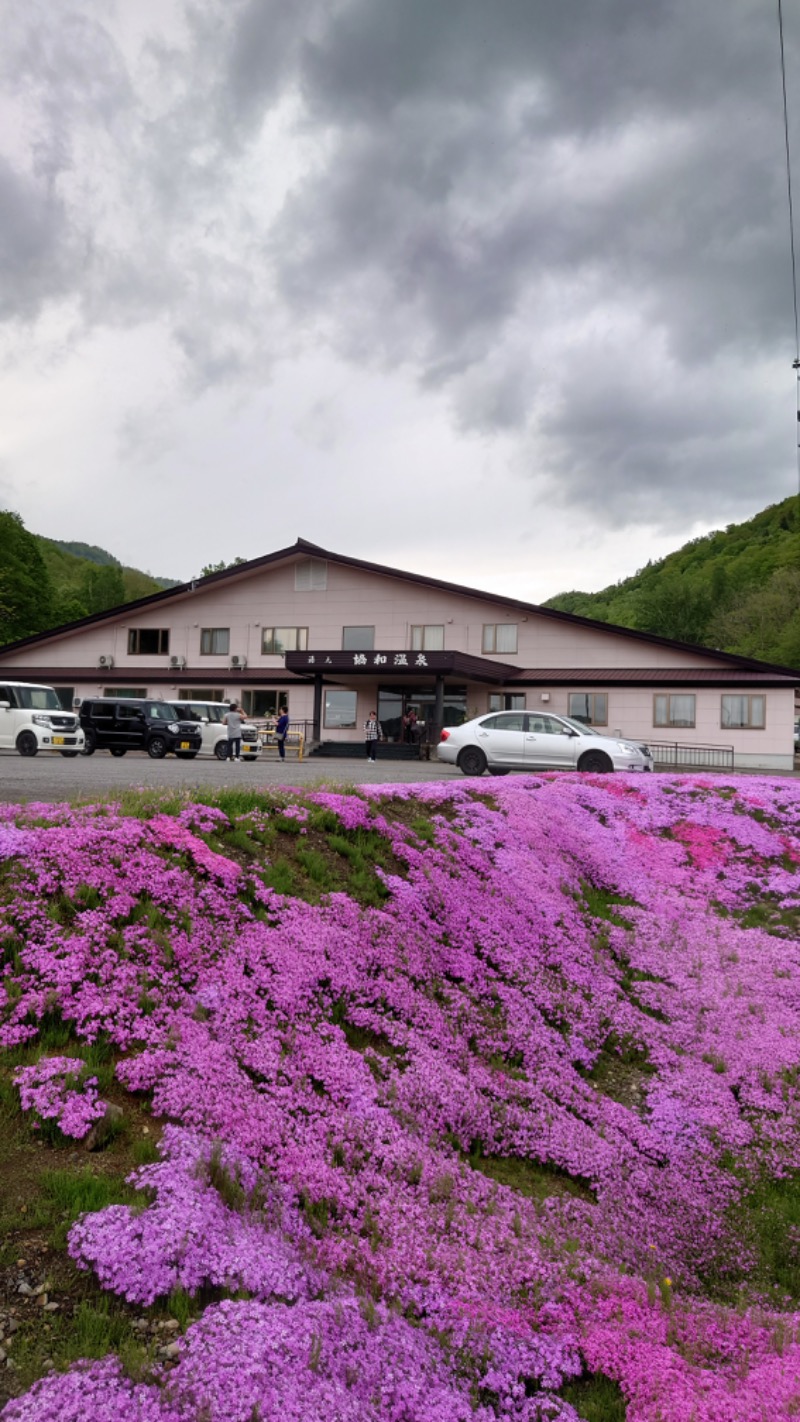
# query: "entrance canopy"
(399, 664)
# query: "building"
(336, 637)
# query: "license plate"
(184, 745)
(58, 740)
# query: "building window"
(507, 701)
(358, 639)
(499, 637)
(427, 638)
(215, 641)
(277, 640)
(311, 575)
(591, 707)
(126, 693)
(266, 703)
(148, 641)
(340, 710)
(208, 693)
(744, 713)
(669, 710)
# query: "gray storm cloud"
(570, 219)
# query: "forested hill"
(45, 583)
(737, 590)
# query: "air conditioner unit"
(178, 663)
(238, 662)
(105, 661)
(545, 696)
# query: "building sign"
(327, 663)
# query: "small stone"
(145, 1130)
(12, 1325)
(103, 1129)
(25, 1289)
(170, 1351)
(171, 1325)
(43, 1300)
(21, 1263)
(50, 1307)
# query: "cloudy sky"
(497, 290)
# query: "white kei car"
(210, 717)
(533, 740)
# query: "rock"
(103, 1129)
(25, 1289)
(171, 1325)
(12, 1325)
(50, 1307)
(42, 1296)
(21, 1263)
(171, 1350)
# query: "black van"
(120, 726)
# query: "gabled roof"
(303, 548)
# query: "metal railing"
(298, 735)
(676, 755)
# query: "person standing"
(282, 731)
(233, 721)
(372, 734)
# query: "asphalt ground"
(49, 777)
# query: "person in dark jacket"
(281, 732)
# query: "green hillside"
(45, 583)
(737, 589)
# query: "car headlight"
(41, 721)
(627, 748)
(173, 728)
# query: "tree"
(221, 566)
(26, 593)
(674, 606)
(102, 587)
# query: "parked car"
(210, 716)
(128, 724)
(533, 740)
(33, 719)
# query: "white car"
(533, 740)
(33, 719)
(210, 716)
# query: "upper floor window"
(428, 638)
(507, 701)
(591, 707)
(674, 710)
(499, 637)
(311, 575)
(277, 640)
(148, 641)
(744, 713)
(358, 639)
(208, 693)
(215, 641)
(130, 693)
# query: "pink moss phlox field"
(57, 1089)
(458, 1148)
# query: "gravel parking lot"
(50, 777)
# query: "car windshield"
(37, 698)
(160, 711)
(579, 726)
(179, 711)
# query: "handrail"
(679, 755)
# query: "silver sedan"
(532, 740)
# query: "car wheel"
(27, 743)
(221, 750)
(595, 762)
(472, 761)
(157, 748)
(499, 770)
(89, 744)
(185, 755)
(70, 755)
(118, 750)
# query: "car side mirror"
(5, 705)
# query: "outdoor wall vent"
(238, 662)
(105, 661)
(545, 696)
(178, 663)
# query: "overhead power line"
(796, 362)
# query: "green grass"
(534, 1180)
(596, 1398)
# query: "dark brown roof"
(650, 676)
(312, 550)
